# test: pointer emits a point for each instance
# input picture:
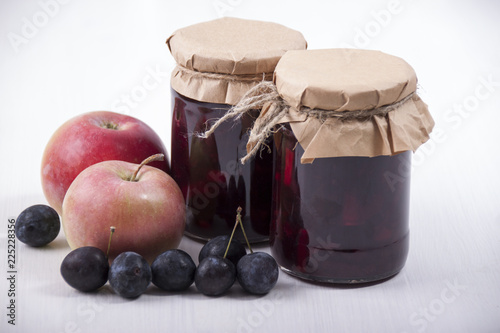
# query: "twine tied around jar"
(226, 77)
(265, 97)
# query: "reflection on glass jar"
(339, 219)
(213, 181)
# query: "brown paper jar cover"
(219, 60)
(349, 80)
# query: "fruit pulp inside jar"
(212, 179)
(341, 219)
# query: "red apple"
(91, 138)
(148, 210)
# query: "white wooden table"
(59, 59)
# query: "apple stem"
(156, 157)
(111, 232)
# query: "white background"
(58, 60)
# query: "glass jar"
(348, 121)
(339, 219)
(217, 63)
(210, 176)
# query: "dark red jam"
(212, 179)
(341, 219)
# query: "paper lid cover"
(343, 79)
(233, 46)
(349, 80)
(218, 61)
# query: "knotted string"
(225, 77)
(265, 97)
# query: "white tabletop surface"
(62, 58)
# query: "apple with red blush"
(91, 138)
(143, 203)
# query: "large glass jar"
(345, 123)
(218, 62)
(339, 219)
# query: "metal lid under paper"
(219, 60)
(379, 89)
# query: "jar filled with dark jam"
(210, 176)
(339, 219)
(217, 63)
(342, 161)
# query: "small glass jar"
(342, 157)
(217, 63)
(210, 176)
